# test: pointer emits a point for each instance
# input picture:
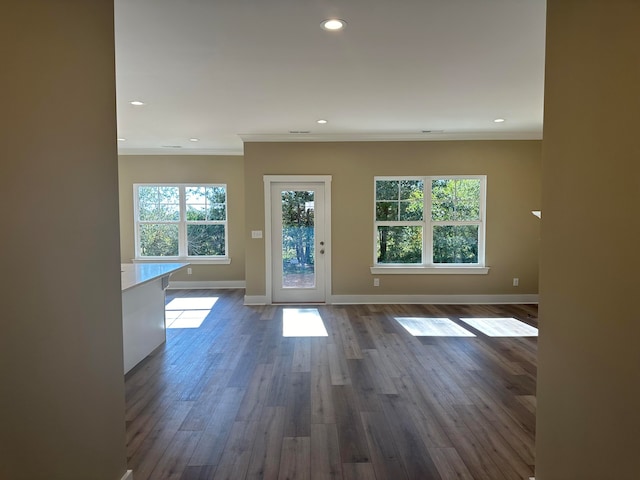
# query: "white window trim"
(429, 268)
(182, 227)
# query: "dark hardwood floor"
(234, 399)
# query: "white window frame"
(182, 226)
(427, 266)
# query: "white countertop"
(138, 273)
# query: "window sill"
(421, 270)
(190, 260)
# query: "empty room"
(312, 240)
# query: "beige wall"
(188, 169)
(62, 388)
(513, 190)
(589, 353)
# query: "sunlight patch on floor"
(302, 322)
(188, 312)
(193, 303)
(502, 327)
(432, 327)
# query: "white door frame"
(268, 181)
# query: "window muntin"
(429, 221)
(399, 200)
(180, 221)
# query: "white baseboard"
(128, 475)
(414, 299)
(255, 300)
(174, 285)
(434, 299)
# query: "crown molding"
(387, 137)
(180, 151)
(335, 137)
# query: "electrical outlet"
(189, 271)
(516, 281)
(376, 282)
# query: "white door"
(298, 245)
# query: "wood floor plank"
(475, 456)
(215, 434)
(158, 441)
(519, 435)
(500, 451)
(298, 406)
(349, 339)
(277, 395)
(449, 464)
(529, 402)
(411, 447)
(322, 410)
(204, 472)
(295, 459)
(359, 319)
(234, 461)
(256, 395)
(382, 379)
(143, 423)
(338, 365)
(364, 386)
(267, 448)
(302, 355)
(358, 471)
(325, 452)
(384, 454)
(415, 409)
(175, 457)
(353, 443)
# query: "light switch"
(256, 233)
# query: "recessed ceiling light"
(194, 139)
(322, 122)
(499, 120)
(137, 103)
(333, 24)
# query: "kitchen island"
(143, 322)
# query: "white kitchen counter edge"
(134, 274)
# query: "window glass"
(455, 200)
(399, 244)
(181, 221)
(455, 244)
(158, 240)
(455, 222)
(206, 239)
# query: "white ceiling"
(227, 70)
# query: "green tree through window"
(297, 232)
(181, 221)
